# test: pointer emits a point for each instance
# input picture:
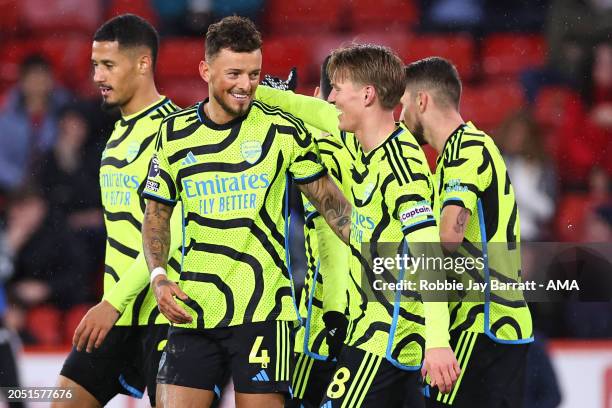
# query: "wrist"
(110, 305)
(157, 272)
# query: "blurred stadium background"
(537, 75)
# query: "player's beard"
(109, 106)
(228, 109)
(418, 133)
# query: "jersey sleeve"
(160, 185)
(333, 267)
(465, 178)
(314, 111)
(306, 163)
(136, 278)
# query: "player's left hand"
(442, 367)
(94, 326)
(288, 84)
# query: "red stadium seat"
(9, 16)
(284, 16)
(550, 105)
(43, 323)
(185, 92)
(382, 13)
(61, 16)
(141, 8)
(179, 58)
(489, 104)
(70, 57)
(396, 39)
(509, 54)
(13, 52)
(571, 213)
(458, 48)
(282, 53)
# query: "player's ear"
(369, 95)
(317, 92)
(204, 69)
(145, 64)
(422, 101)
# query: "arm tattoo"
(462, 217)
(156, 234)
(331, 203)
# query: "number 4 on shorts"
(263, 358)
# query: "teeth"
(239, 96)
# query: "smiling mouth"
(240, 97)
(105, 90)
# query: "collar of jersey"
(451, 138)
(205, 120)
(145, 111)
(368, 156)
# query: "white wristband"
(156, 272)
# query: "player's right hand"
(94, 326)
(165, 290)
(442, 368)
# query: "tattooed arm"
(331, 204)
(454, 221)
(156, 242)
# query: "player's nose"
(98, 77)
(332, 96)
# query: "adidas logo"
(332, 332)
(189, 159)
(261, 376)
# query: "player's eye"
(254, 76)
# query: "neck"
(145, 96)
(216, 113)
(374, 129)
(443, 124)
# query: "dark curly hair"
(238, 34)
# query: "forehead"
(228, 59)
(108, 50)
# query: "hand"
(335, 327)
(442, 367)
(284, 85)
(165, 290)
(94, 326)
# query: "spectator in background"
(28, 121)
(69, 183)
(532, 174)
(50, 263)
(585, 139)
(572, 27)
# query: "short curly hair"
(238, 34)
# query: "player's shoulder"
(279, 116)
(405, 158)
(180, 118)
(470, 141)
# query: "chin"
(109, 105)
